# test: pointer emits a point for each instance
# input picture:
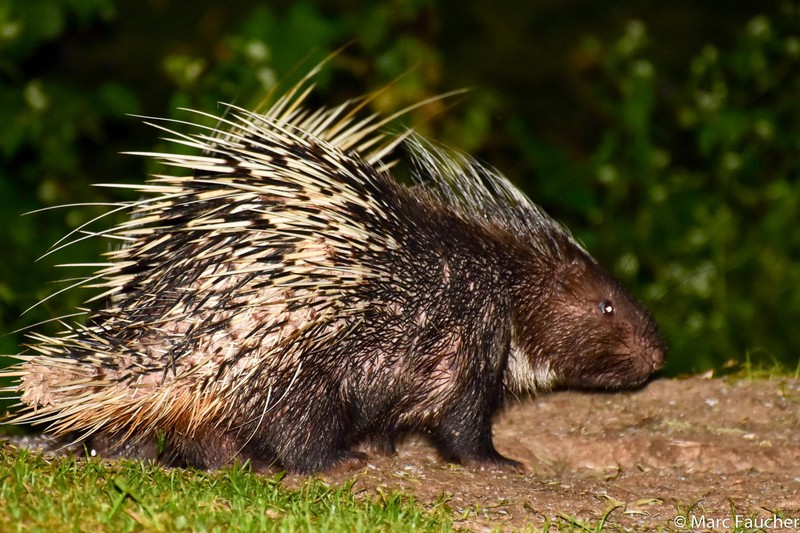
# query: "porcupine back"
(289, 300)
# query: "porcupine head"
(288, 302)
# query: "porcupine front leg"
(464, 436)
(464, 433)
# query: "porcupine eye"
(606, 307)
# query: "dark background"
(666, 135)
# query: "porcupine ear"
(481, 193)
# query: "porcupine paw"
(494, 462)
(476, 451)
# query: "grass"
(69, 494)
(65, 494)
(756, 366)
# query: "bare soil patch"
(706, 450)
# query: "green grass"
(67, 494)
(757, 367)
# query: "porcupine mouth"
(610, 375)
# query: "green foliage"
(49, 124)
(47, 495)
(699, 184)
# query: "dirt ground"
(694, 454)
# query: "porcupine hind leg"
(326, 451)
(213, 449)
(309, 437)
(320, 453)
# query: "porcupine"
(289, 301)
